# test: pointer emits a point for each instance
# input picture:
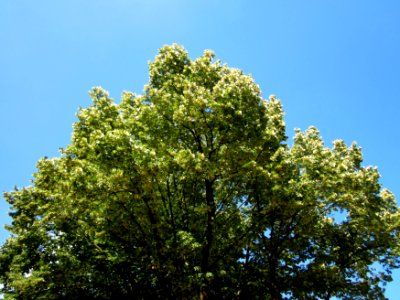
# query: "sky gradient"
(333, 64)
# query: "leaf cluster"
(190, 191)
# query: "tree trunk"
(273, 281)
(209, 237)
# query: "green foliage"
(190, 191)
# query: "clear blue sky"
(334, 64)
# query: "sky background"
(334, 64)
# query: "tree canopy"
(191, 191)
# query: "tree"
(190, 191)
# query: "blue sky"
(334, 64)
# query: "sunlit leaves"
(190, 191)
